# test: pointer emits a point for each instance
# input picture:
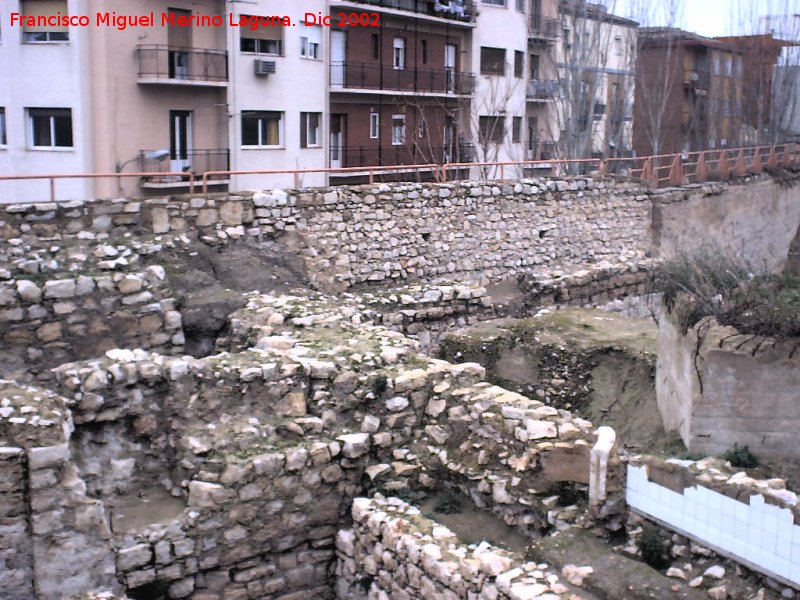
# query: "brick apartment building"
(689, 91)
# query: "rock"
(540, 429)
(130, 284)
(575, 575)
(59, 288)
(696, 582)
(436, 407)
(716, 571)
(499, 493)
(677, 573)
(718, 593)
(202, 494)
(397, 403)
(370, 424)
(134, 557)
(375, 471)
(437, 433)
(493, 563)
(354, 444)
(29, 291)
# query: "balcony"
(370, 156)
(541, 89)
(366, 76)
(182, 66)
(697, 79)
(453, 10)
(196, 162)
(543, 28)
(541, 150)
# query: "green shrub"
(652, 547)
(741, 457)
(379, 385)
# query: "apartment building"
(406, 82)
(400, 93)
(688, 92)
(44, 121)
(596, 58)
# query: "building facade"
(688, 93)
(210, 86)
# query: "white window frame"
(41, 37)
(281, 130)
(398, 140)
(500, 3)
(399, 53)
(52, 147)
(311, 44)
(307, 116)
(374, 125)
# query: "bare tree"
(594, 62)
(657, 78)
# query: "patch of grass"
(741, 457)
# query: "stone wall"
(45, 322)
(386, 233)
(719, 388)
(392, 551)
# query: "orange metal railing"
(656, 171)
(52, 177)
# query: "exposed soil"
(209, 282)
(473, 525)
(615, 576)
(598, 365)
(144, 507)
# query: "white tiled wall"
(760, 533)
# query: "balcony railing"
(457, 10)
(541, 150)
(191, 161)
(364, 156)
(544, 28)
(165, 64)
(368, 76)
(542, 89)
(698, 79)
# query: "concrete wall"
(750, 530)
(728, 389)
(756, 222)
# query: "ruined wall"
(719, 388)
(388, 233)
(755, 221)
(392, 551)
(752, 521)
(45, 322)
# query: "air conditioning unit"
(262, 68)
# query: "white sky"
(721, 17)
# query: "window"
(493, 61)
(309, 129)
(495, 2)
(262, 128)
(422, 128)
(376, 46)
(374, 125)
(519, 63)
(399, 46)
(618, 45)
(50, 127)
(3, 139)
(516, 130)
(264, 40)
(533, 66)
(310, 43)
(398, 130)
(521, 6)
(424, 52)
(491, 129)
(43, 32)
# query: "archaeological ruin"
(462, 390)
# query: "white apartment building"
(45, 122)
